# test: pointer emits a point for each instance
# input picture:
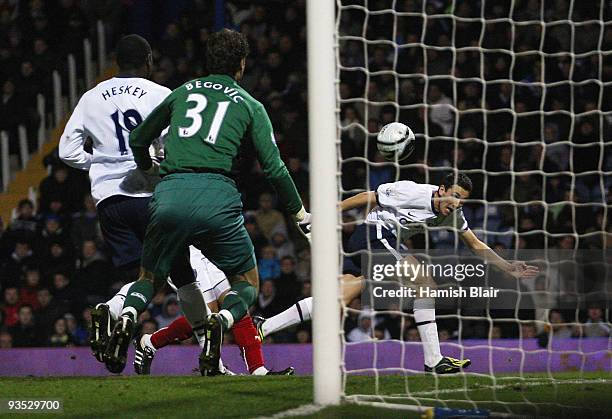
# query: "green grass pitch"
(194, 396)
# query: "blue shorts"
(366, 238)
(123, 221)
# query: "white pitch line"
(306, 409)
(493, 387)
(309, 409)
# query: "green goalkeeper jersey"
(208, 118)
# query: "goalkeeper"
(197, 202)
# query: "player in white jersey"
(400, 210)
(106, 114)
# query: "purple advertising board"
(488, 357)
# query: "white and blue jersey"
(107, 114)
(404, 209)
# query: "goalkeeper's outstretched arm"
(273, 166)
(518, 269)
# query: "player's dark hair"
(133, 52)
(224, 52)
(458, 179)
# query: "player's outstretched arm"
(150, 129)
(73, 138)
(363, 199)
(518, 269)
(273, 167)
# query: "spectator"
(302, 268)
(351, 320)
(157, 303)
(10, 306)
(267, 304)
(380, 174)
(496, 332)
(558, 326)
(170, 311)
(380, 333)
(93, 272)
(11, 112)
(282, 246)
(78, 333)
(57, 259)
(441, 111)
(144, 316)
(149, 327)
(444, 335)
(85, 224)
(363, 332)
(24, 332)
(13, 269)
(287, 285)
(52, 231)
(412, 335)
(306, 290)
(528, 331)
(49, 310)
(86, 320)
(6, 340)
(303, 336)
(258, 240)
(60, 338)
(269, 265)
(63, 290)
(25, 224)
(268, 219)
(595, 325)
(59, 193)
(393, 321)
(28, 294)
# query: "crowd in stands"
(54, 265)
(35, 38)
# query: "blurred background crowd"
(528, 125)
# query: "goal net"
(518, 96)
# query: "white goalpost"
(514, 93)
(323, 201)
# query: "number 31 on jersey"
(195, 114)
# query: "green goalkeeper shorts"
(200, 209)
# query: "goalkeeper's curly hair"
(224, 52)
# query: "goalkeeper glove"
(302, 221)
(139, 181)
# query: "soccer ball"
(395, 141)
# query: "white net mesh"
(516, 94)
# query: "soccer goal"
(517, 95)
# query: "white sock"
(297, 313)
(194, 309)
(425, 319)
(221, 366)
(145, 340)
(228, 317)
(115, 304)
(260, 371)
(131, 313)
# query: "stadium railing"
(61, 105)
